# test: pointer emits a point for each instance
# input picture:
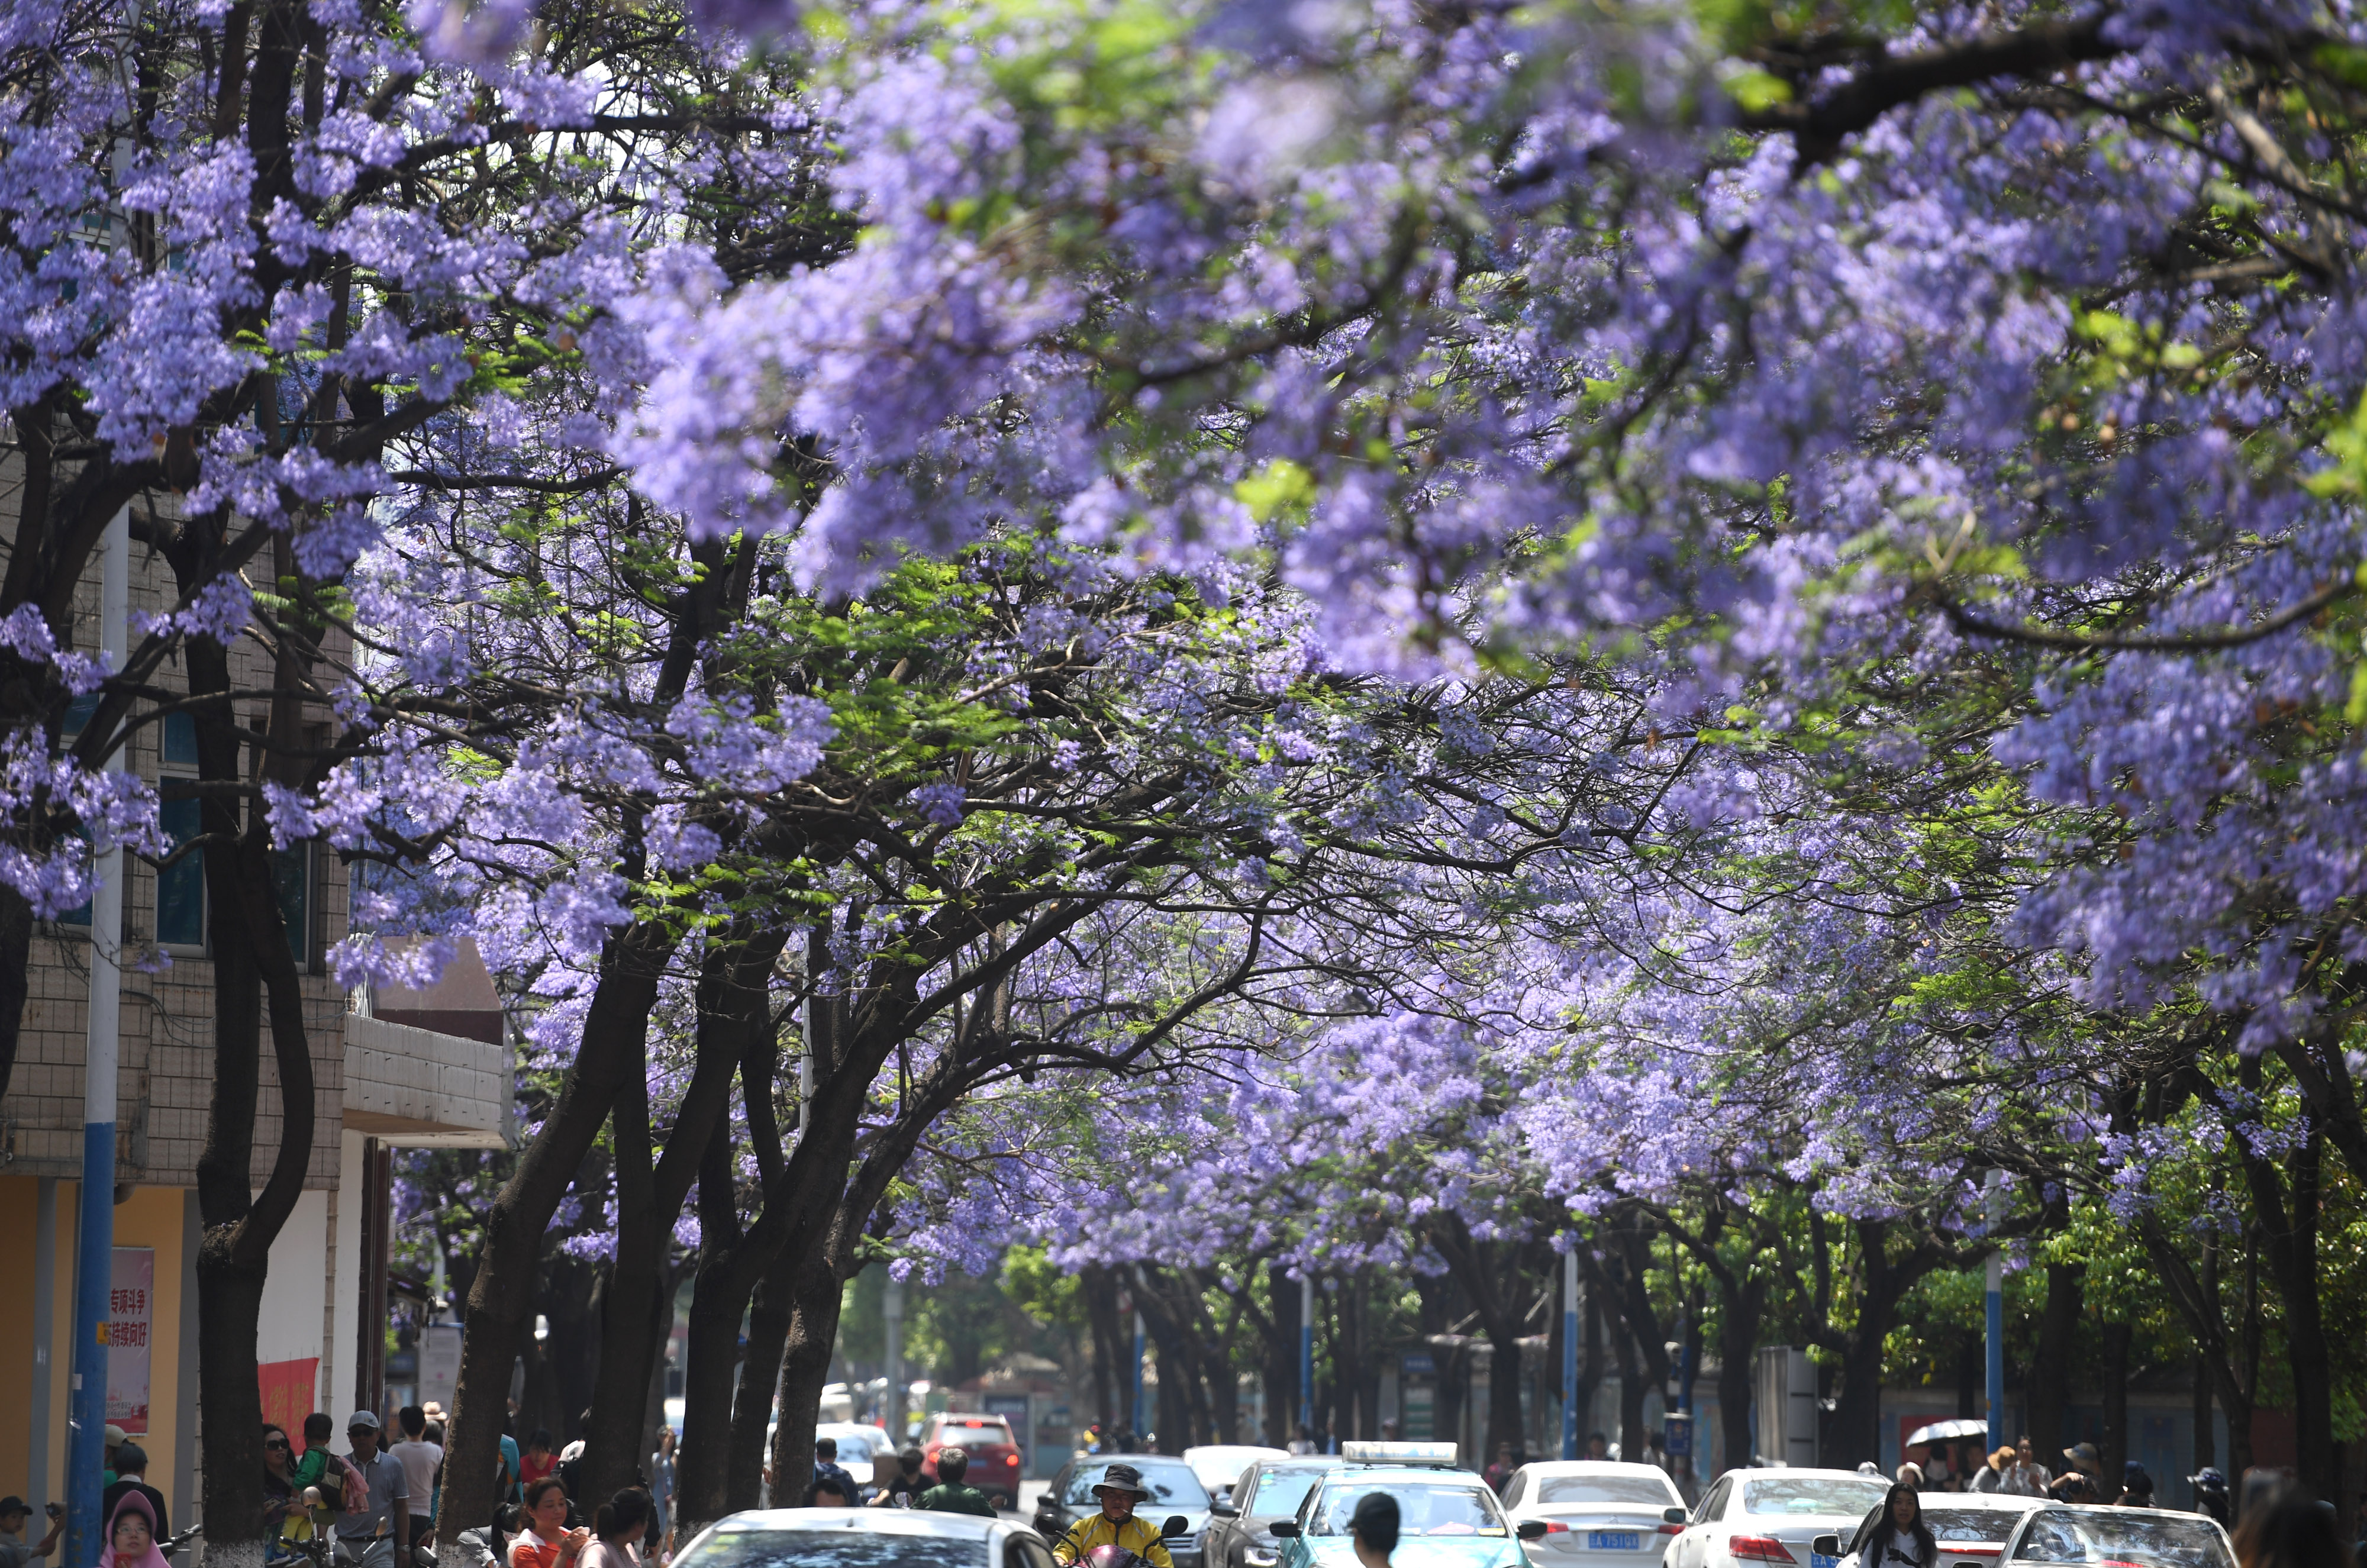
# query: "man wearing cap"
(15, 1549)
(380, 1533)
(1120, 1490)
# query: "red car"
(993, 1453)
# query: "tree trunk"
(733, 1000)
(1101, 1316)
(2050, 1370)
(805, 1369)
(501, 1298)
(769, 1312)
(2114, 1449)
(1741, 1303)
(16, 959)
(2292, 1257)
(1504, 1393)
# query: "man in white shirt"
(420, 1460)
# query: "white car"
(1219, 1465)
(1969, 1527)
(1597, 1513)
(1769, 1517)
(864, 1538)
(2142, 1538)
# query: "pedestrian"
(1389, 1429)
(2136, 1486)
(1899, 1538)
(377, 1533)
(546, 1541)
(570, 1468)
(1991, 1476)
(2210, 1494)
(433, 1432)
(538, 1460)
(1119, 1491)
(115, 1439)
(904, 1488)
(132, 1532)
(1909, 1474)
(1374, 1527)
(619, 1527)
(1303, 1441)
(282, 1513)
(2026, 1477)
(950, 1496)
(1597, 1446)
(420, 1460)
(131, 1475)
(660, 1536)
(1654, 1454)
(512, 1462)
(1689, 1485)
(826, 1492)
(826, 1468)
(2083, 1482)
(2290, 1529)
(15, 1549)
(1500, 1473)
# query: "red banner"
(288, 1396)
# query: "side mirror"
(1176, 1524)
(1825, 1546)
(1676, 1516)
(1530, 1529)
(1283, 1530)
(1224, 1510)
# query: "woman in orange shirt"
(547, 1542)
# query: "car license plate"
(1615, 1541)
(1818, 1559)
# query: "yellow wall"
(20, 1197)
(149, 1217)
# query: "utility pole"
(1995, 1196)
(1307, 1352)
(895, 1316)
(1569, 1351)
(1142, 1416)
(94, 1247)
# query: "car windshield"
(1811, 1494)
(1281, 1492)
(975, 1437)
(1421, 1510)
(832, 1549)
(2174, 1540)
(1605, 1489)
(1986, 1525)
(1171, 1483)
(854, 1450)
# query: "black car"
(1240, 1529)
(1174, 1492)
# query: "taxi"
(1448, 1517)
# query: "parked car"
(1969, 1527)
(993, 1452)
(1772, 1516)
(1597, 1513)
(2127, 1537)
(864, 1538)
(1176, 1492)
(1446, 1519)
(1240, 1527)
(1219, 1465)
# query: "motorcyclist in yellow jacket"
(1120, 1490)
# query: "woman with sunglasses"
(281, 1517)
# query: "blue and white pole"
(94, 1241)
(1569, 1351)
(1996, 1310)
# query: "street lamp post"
(1569, 1351)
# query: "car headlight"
(1262, 1557)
